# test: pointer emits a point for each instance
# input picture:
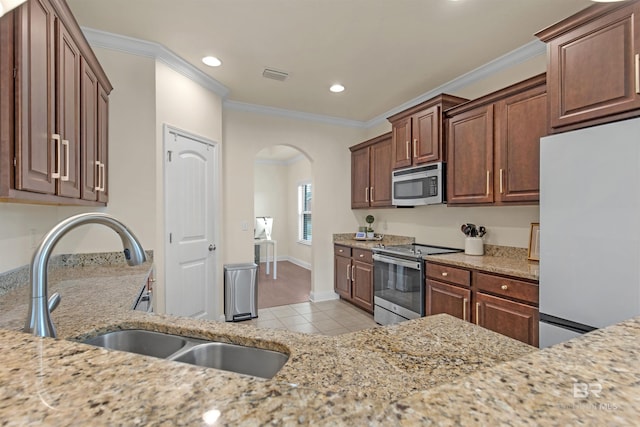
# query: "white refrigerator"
(589, 229)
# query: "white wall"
(245, 134)
(297, 173)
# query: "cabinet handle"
(353, 274)
(415, 148)
(57, 139)
(361, 255)
(103, 173)
(340, 250)
(408, 143)
(366, 194)
(477, 313)
(488, 176)
(445, 274)
(371, 194)
(348, 269)
(464, 309)
(65, 146)
(97, 187)
(638, 73)
(501, 172)
(504, 287)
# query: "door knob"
(212, 248)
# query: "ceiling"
(385, 52)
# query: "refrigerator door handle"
(566, 324)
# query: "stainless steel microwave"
(421, 185)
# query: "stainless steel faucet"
(39, 318)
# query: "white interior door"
(190, 191)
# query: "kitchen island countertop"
(436, 369)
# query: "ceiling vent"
(270, 73)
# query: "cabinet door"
(380, 174)
(103, 144)
(89, 136)
(363, 285)
(342, 276)
(36, 150)
(426, 136)
(443, 298)
(68, 112)
(470, 157)
(515, 320)
(592, 68)
(520, 123)
(401, 141)
(360, 178)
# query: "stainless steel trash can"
(240, 292)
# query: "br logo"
(583, 390)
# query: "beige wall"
(245, 134)
(131, 174)
(188, 106)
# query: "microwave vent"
(270, 73)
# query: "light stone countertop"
(436, 369)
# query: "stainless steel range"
(399, 281)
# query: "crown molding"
(299, 115)
(105, 40)
(154, 50)
(530, 50)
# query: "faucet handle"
(53, 302)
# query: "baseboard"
(292, 260)
(323, 296)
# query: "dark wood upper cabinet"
(593, 66)
(494, 143)
(417, 135)
(470, 162)
(371, 167)
(52, 108)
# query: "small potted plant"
(369, 219)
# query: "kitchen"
(133, 75)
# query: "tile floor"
(327, 318)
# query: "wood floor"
(292, 286)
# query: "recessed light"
(336, 88)
(211, 61)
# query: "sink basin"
(141, 342)
(236, 358)
(229, 357)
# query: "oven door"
(398, 286)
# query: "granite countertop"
(436, 369)
(497, 259)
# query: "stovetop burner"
(414, 249)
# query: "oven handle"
(415, 265)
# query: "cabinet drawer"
(340, 250)
(446, 273)
(363, 255)
(510, 288)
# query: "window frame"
(302, 191)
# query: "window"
(304, 213)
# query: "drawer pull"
(361, 255)
(504, 287)
(340, 250)
(464, 309)
(445, 274)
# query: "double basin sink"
(245, 360)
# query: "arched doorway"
(283, 197)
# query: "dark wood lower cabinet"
(449, 299)
(510, 318)
(353, 276)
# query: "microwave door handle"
(395, 261)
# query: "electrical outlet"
(245, 226)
